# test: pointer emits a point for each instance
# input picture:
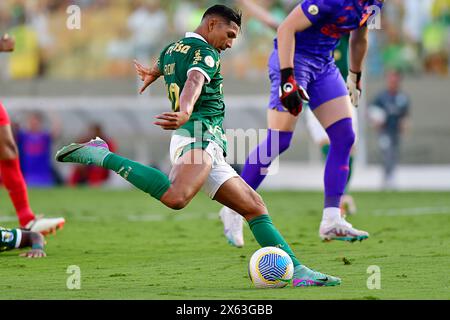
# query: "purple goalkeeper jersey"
(314, 65)
(331, 19)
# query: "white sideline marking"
(7, 219)
(135, 218)
(412, 211)
(178, 217)
(215, 215)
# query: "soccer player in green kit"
(191, 70)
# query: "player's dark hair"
(230, 15)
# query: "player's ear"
(212, 22)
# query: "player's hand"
(145, 75)
(291, 94)
(172, 120)
(7, 43)
(34, 253)
(354, 86)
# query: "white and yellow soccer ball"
(270, 267)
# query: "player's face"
(223, 35)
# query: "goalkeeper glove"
(354, 86)
(291, 94)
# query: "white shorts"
(221, 171)
(317, 132)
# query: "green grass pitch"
(128, 246)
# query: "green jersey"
(175, 62)
(9, 239)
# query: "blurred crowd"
(415, 36)
(36, 133)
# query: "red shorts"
(4, 118)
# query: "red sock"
(15, 184)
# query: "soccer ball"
(270, 267)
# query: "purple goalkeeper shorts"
(319, 77)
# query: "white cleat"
(232, 226)
(45, 226)
(341, 230)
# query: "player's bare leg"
(8, 147)
(187, 177)
(282, 121)
(240, 197)
(236, 194)
(336, 118)
(16, 186)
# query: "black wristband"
(286, 73)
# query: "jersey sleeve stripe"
(208, 78)
(18, 238)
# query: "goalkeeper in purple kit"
(302, 67)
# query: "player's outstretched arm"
(291, 94)
(7, 43)
(359, 44)
(295, 22)
(147, 75)
(34, 240)
(189, 96)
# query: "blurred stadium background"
(84, 76)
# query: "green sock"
(268, 236)
(147, 179)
